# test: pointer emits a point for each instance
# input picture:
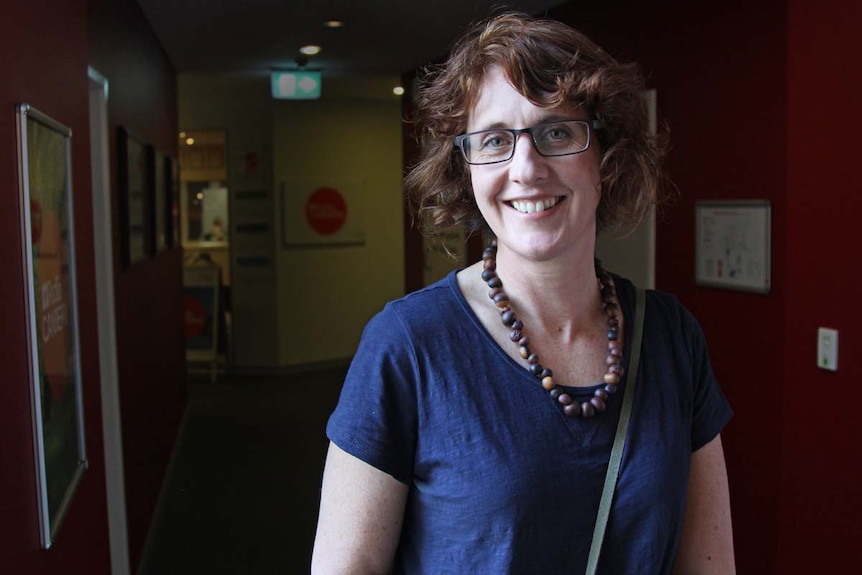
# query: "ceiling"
(379, 37)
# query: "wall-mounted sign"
(321, 213)
(296, 85)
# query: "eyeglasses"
(552, 139)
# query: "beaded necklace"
(597, 403)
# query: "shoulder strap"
(620, 439)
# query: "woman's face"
(538, 207)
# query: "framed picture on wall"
(47, 221)
(134, 173)
(732, 249)
(161, 200)
(172, 170)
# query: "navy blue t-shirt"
(501, 481)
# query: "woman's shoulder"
(662, 308)
(426, 305)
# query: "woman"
(455, 448)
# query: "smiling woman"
(455, 447)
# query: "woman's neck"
(559, 295)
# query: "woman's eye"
(558, 133)
(494, 141)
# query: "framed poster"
(45, 184)
(732, 249)
(172, 171)
(134, 179)
(161, 201)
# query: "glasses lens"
(561, 138)
(488, 147)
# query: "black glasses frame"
(590, 124)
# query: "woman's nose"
(527, 164)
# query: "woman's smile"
(535, 206)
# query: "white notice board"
(732, 249)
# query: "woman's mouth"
(529, 207)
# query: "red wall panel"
(821, 510)
(43, 62)
(45, 48)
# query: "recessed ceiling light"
(333, 23)
(398, 91)
(310, 50)
(190, 141)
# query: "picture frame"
(161, 201)
(733, 245)
(48, 239)
(134, 172)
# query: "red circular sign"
(326, 211)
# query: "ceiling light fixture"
(333, 23)
(310, 50)
(398, 91)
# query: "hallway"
(244, 492)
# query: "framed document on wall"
(47, 219)
(732, 248)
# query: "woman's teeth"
(532, 207)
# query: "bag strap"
(620, 439)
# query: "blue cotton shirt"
(500, 480)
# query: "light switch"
(827, 348)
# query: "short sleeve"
(375, 419)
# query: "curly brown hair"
(550, 64)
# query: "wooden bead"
(598, 403)
(611, 378)
(548, 383)
(564, 399)
(587, 409)
(572, 410)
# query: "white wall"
(241, 106)
(328, 293)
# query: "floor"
(244, 491)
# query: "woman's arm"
(361, 511)
(706, 543)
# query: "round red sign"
(326, 211)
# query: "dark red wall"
(43, 62)
(45, 48)
(820, 514)
(151, 345)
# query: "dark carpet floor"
(244, 492)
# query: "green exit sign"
(296, 85)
